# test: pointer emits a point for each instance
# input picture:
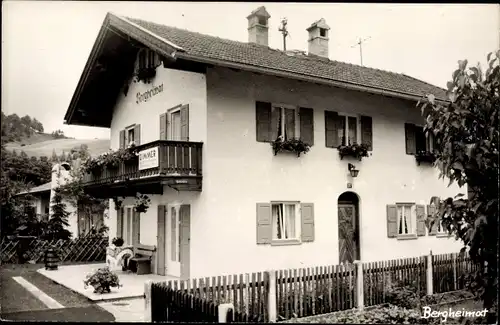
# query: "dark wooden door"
(348, 234)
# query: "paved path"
(28, 295)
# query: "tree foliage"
(466, 132)
(14, 128)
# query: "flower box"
(355, 150)
(425, 157)
(293, 145)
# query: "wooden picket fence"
(379, 276)
(324, 289)
(90, 248)
(449, 270)
(315, 290)
(247, 292)
(177, 305)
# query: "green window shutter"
(163, 126)
(307, 125)
(420, 210)
(307, 222)
(122, 139)
(411, 143)
(431, 211)
(185, 123)
(290, 123)
(263, 120)
(392, 220)
(119, 223)
(332, 125)
(264, 223)
(136, 228)
(137, 134)
(366, 131)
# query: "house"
(203, 113)
(81, 219)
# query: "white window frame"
(297, 221)
(177, 208)
(281, 107)
(170, 129)
(440, 231)
(129, 129)
(412, 232)
(346, 130)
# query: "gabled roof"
(319, 24)
(173, 43)
(38, 189)
(249, 54)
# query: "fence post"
(147, 301)
(454, 258)
(223, 310)
(430, 289)
(359, 285)
(271, 295)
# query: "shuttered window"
(417, 140)
(275, 122)
(406, 220)
(174, 125)
(347, 130)
(285, 222)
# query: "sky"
(45, 44)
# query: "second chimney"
(318, 38)
(258, 26)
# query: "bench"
(141, 262)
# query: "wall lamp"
(352, 169)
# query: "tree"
(54, 158)
(59, 218)
(466, 131)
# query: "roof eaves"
(305, 77)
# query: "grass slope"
(43, 145)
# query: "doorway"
(348, 223)
(178, 240)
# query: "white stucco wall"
(239, 172)
(179, 87)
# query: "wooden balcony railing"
(175, 158)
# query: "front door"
(178, 234)
(348, 234)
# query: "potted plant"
(102, 280)
(118, 203)
(425, 156)
(117, 241)
(142, 203)
(293, 145)
(92, 166)
(354, 150)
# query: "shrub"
(102, 280)
(292, 145)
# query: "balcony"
(177, 164)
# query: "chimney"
(258, 26)
(318, 38)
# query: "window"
(130, 134)
(285, 119)
(174, 238)
(262, 21)
(285, 218)
(348, 130)
(418, 141)
(424, 142)
(128, 225)
(322, 32)
(175, 123)
(406, 219)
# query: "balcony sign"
(148, 158)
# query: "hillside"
(43, 145)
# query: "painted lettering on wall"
(145, 96)
(148, 158)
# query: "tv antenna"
(283, 31)
(360, 44)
